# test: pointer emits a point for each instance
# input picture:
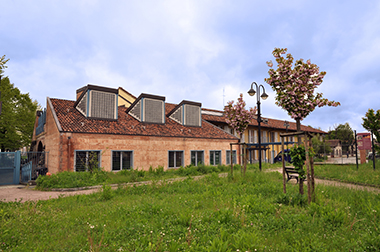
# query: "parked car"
(370, 155)
(287, 157)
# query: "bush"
(71, 179)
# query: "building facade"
(143, 132)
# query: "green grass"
(212, 214)
(85, 179)
(349, 173)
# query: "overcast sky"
(203, 51)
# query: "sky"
(204, 51)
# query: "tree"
(3, 61)
(320, 147)
(344, 133)
(17, 117)
(295, 87)
(371, 122)
(238, 117)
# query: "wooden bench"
(291, 173)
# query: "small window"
(122, 160)
(215, 157)
(175, 159)
(228, 157)
(87, 160)
(196, 157)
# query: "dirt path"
(25, 193)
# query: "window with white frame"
(175, 159)
(250, 136)
(215, 157)
(255, 137)
(122, 160)
(228, 157)
(86, 160)
(197, 157)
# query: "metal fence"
(37, 162)
(342, 154)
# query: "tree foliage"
(3, 61)
(237, 116)
(371, 122)
(320, 147)
(17, 116)
(344, 133)
(295, 87)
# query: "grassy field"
(212, 214)
(85, 179)
(349, 173)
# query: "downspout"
(68, 152)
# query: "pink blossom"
(295, 86)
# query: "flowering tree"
(238, 118)
(295, 86)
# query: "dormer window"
(97, 102)
(148, 108)
(187, 113)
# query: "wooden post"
(312, 180)
(232, 165)
(306, 142)
(283, 164)
(245, 158)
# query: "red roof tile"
(272, 123)
(72, 120)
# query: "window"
(87, 160)
(196, 157)
(228, 157)
(175, 159)
(122, 160)
(272, 138)
(215, 157)
(264, 137)
(250, 136)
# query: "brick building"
(113, 129)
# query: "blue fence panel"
(10, 168)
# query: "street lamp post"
(264, 96)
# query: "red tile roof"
(72, 120)
(272, 123)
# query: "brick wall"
(147, 151)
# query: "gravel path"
(26, 193)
